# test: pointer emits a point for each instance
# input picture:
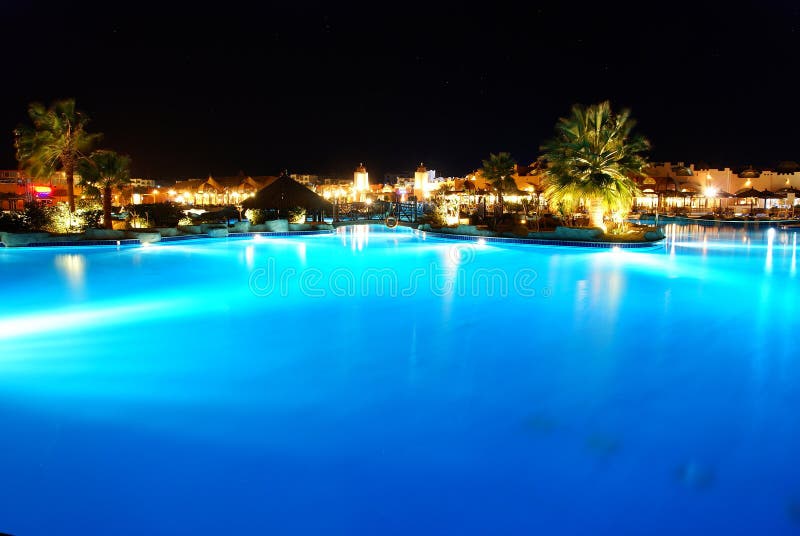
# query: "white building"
(424, 180)
(143, 183)
(360, 183)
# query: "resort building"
(309, 181)
(687, 189)
(215, 191)
(16, 189)
(143, 183)
(360, 183)
(424, 182)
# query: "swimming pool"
(376, 382)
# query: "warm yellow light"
(155, 192)
(597, 218)
(172, 193)
(748, 183)
(710, 191)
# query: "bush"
(223, 215)
(13, 222)
(36, 216)
(157, 214)
(257, 216)
(297, 215)
(93, 219)
(58, 219)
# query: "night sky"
(318, 88)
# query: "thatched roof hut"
(284, 193)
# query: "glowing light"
(43, 190)
(597, 218)
(770, 242)
(12, 327)
(172, 193)
(73, 266)
(710, 191)
(250, 257)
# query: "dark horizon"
(317, 90)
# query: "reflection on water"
(768, 258)
(73, 267)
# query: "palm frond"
(594, 157)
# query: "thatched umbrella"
(284, 193)
(785, 191)
(750, 193)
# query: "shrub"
(13, 222)
(156, 214)
(438, 215)
(36, 216)
(297, 215)
(257, 216)
(58, 219)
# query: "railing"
(379, 211)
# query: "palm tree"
(56, 142)
(498, 171)
(104, 170)
(594, 158)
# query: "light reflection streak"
(768, 260)
(73, 266)
(12, 327)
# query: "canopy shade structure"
(766, 194)
(284, 193)
(748, 192)
(787, 190)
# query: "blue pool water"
(375, 382)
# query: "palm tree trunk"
(69, 171)
(596, 213)
(107, 207)
(500, 202)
